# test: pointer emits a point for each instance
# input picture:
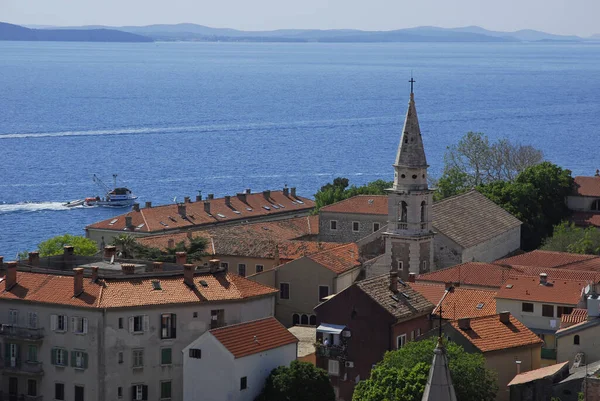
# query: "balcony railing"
(19, 366)
(402, 226)
(22, 333)
(548, 353)
(329, 351)
(423, 226)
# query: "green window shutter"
(166, 355)
(85, 360)
(53, 356)
(73, 358)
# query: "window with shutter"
(59, 391)
(165, 356)
(138, 324)
(144, 393)
(79, 324)
(167, 325)
(138, 358)
(165, 390)
(79, 396)
(33, 320)
(13, 316)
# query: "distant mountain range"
(193, 32)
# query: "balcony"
(402, 226)
(548, 353)
(21, 333)
(17, 366)
(330, 351)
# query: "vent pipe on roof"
(286, 191)
(188, 274)
(227, 200)
(136, 207)
(504, 317)
(412, 277)
(211, 196)
(128, 222)
(543, 278)
(198, 198)
(148, 204)
(394, 281)
(94, 274)
(207, 207)
(11, 275)
(464, 324)
(187, 199)
(267, 194)
(293, 192)
(68, 256)
(78, 281)
(180, 258)
(248, 191)
(34, 258)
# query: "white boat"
(74, 203)
(115, 197)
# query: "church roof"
(439, 384)
(411, 152)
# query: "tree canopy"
(301, 381)
(339, 190)
(569, 238)
(402, 375)
(195, 250)
(54, 246)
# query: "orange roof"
(488, 333)
(528, 288)
(586, 219)
(132, 291)
(360, 204)
(340, 259)
(470, 273)
(544, 259)
(433, 292)
(575, 317)
(252, 337)
(537, 374)
(467, 302)
(167, 217)
(587, 186)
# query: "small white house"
(232, 363)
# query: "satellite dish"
(588, 289)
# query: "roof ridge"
(459, 195)
(352, 197)
(332, 249)
(242, 323)
(510, 277)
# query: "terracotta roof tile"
(340, 259)
(586, 219)
(528, 288)
(538, 374)
(166, 217)
(470, 273)
(407, 302)
(467, 302)
(544, 259)
(587, 186)
(250, 338)
(575, 317)
(133, 291)
(360, 204)
(488, 333)
(432, 291)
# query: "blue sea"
(175, 118)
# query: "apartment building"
(70, 337)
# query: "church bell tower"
(409, 235)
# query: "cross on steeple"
(412, 81)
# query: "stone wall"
(344, 231)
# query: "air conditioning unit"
(349, 364)
(346, 333)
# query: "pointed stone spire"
(411, 153)
(439, 384)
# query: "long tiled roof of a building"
(241, 208)
(470, 273)
(587, 186)
(575, 317)
(545, 259)
(459, 302)
(132, 291)
(432, 291)
(489, 333)
(360, 204)
(407, 302)
(340, 259)
(586, 219)
(252, 337)
(529, 288)
(538, 374)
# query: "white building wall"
(495, 248)
(345, 280)
(580, 203)
(533, 320)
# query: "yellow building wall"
(503, 363)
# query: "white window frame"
(330, 225)
(358, 226)
(262, 267)
(139, 392)
(144, 321)
(378, 226)
(61, 357)
(79, 325)
(319, 293)
(167, 332)
(137, 358)
(333, 367)
(401, 341)
(79, 359)
(289, 291)
(13, 316)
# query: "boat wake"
(32, 207)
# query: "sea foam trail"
(31, 207)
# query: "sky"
(578, 17)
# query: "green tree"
(195, 250)
(452, 182)
(569, 238)
(301, 381)
(407, 369)
(338, 190)
(125, 243)
(54, 246)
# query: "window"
(323, 292)
(243, 383)
(304, 319)
(165, 356)
(284, 290)
(120, 392)
(120, 322)
(13, 317)
(120, 357)
(259, 268)
(195, 353)
(217, 318)
(139, 392)
(58, 323)
(376, 227)
(527, 307)
(424, 266)
(333, 367)
(423, 209)
(403, 215)
(138, 358)
(79, 393)
(355, 226)
(138, 324)
(195, 314)
(418, 332)
(79, 325)
(32, 387)
(59, 357)
(32, 320)
(32, 353)
(59, 391)
(168, 325)
(400, 341)
(165, 390)
(576, 339)
(563, 310)
(333, 225)
(224, 265)
(548, 310)
(596, 205)
(313, 320)
(412, 335)
(295, 319)
(242, 269)
(79, 359)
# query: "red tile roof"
(575, 317)
(132, 291)
(459, 302)
(538, 374)
(544, 259)
(432, 291)
(338, 260)
(587, 186)
(250, 338)
(360, 204)
(488, 333)
(586, 219)
(470, 273)
(528, 288)
(167, 217)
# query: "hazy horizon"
(553, 16)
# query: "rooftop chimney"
(68, 256)
(136, 207)
(181, 209)
(171, 243)
(188, 274)
(267, 194)
(128, 268)
(11, 275)
(198, 198)
(78, 281)
(207, 207)
(394, 281)
(211, 196)
(412, 277)
(148, 204)
(248, 191)
(293, 192)
(286, 191)
(187, 199)
(157, 266)
(543, 278)
(1, 261)
(214, 265)
(110, 251)
(180, 258)
(94, 274)
(227, 200)
(128, 222)
(464, 324)
(242, 197)
(504, 317)
(34, 258)
(190, 235)
(597, 173)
